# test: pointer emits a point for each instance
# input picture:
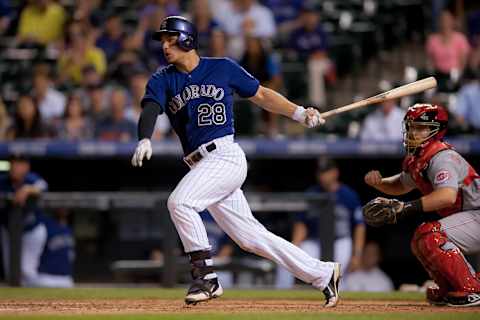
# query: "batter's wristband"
(299, 114)
(412, 207)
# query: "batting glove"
(143, 150)
(309, 117)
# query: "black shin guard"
(201, 262)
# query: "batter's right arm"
(391, 185)
(274, 102)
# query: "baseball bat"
(405, 90)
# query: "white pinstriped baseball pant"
(214, 183)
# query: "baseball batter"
(452, 188)
(196, 93)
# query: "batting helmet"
(423, 116)
(186, 31)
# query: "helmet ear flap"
(189, 41)
(185, 41)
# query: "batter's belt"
(196, 155)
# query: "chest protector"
(417, 165)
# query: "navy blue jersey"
(58, 254)
(199, 104)
(348, 212)
(31, 178)
(6, 187)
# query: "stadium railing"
(156, 202)
(258, 147)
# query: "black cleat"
(463, 299)
(331, 290)
(203, 290)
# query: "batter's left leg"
(234, 216)
(209, 181)
(283, 278)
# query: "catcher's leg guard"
(436, 296)
(443, 260)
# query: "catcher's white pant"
(342, 252)
(214, 183)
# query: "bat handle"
(327, 114)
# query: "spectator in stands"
(141, 39)
(286, 13)
(349, 226)
(88, 12)
(5, 121)
(90, 76)
(474, 61)
(75, 126)
(447, 49)
(211, 40)
(96, 101)
(171, 7)
(262, 65)
(437, 7)
(240, 18)
(111, 40)
(27, 123)
(80, 53)
(126, 64)
(474, 36)
(42, 22)
(138, 82)
(116, 127)
(51, 102)
(473, 24)
(467, 110)
(369, 277)
(5, 15)
(311, 44)
(151, 15)
(383, 124)
(218, 45)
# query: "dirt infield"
(155, 306)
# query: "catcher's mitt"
(381, 211)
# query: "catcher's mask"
(422, 124)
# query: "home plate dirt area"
(155, 306)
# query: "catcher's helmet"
(433, 118)
(186, 31)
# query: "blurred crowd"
(76, 70)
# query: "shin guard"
(442, 259)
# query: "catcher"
(451, 187)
